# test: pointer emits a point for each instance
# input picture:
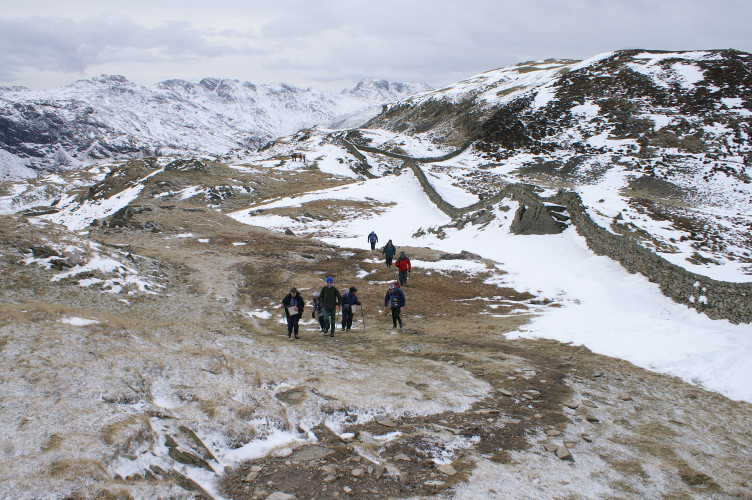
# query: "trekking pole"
(363, 317)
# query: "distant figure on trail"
(318, 311)
(389, 250)
(293, 305)
(294, 156)
(404, 266)
(395, 298)
(349, 299)
(373, 239)
(331, 300)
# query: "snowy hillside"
(111, 118)
(149, 294)
(144, 349)
(656, 143)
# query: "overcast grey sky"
(332, 44)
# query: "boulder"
(536, 219)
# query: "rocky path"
(560, 416)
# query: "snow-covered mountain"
(689, 101)
(110, 117)
(656, 143)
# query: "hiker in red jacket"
(404, 266)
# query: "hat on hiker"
(391, 286)
(330, 280)
(293, 290)
(315, 294)
(353, 289)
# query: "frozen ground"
(166, 329)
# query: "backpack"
(395, 298)
(347, 300)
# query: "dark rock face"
(538, 219)
(457, 122)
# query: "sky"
(333, 44)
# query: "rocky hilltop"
(648, 138)
(657, 98)
(109, 117)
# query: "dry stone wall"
(716, 299)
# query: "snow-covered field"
(605, 308)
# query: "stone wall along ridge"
(714, 298)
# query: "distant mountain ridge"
(109, 117)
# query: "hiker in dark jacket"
(318, 312)
(404, 266)
(389, 250)
(395, 298)
(373, 239)
(293, 305)
(331, 300)
(349, 299)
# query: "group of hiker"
(328, 302)
(389, 251)
(297, 157)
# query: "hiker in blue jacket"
(373, 239)
(349, 299)
(293, 305)
(395, 298)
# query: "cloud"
(307, 43)
(49, 44)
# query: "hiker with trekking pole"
(319, 312)
(349, 300)
(331, 300)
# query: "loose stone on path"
(563, 453)
(279, 495)
(385, 421)
(447, 469)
